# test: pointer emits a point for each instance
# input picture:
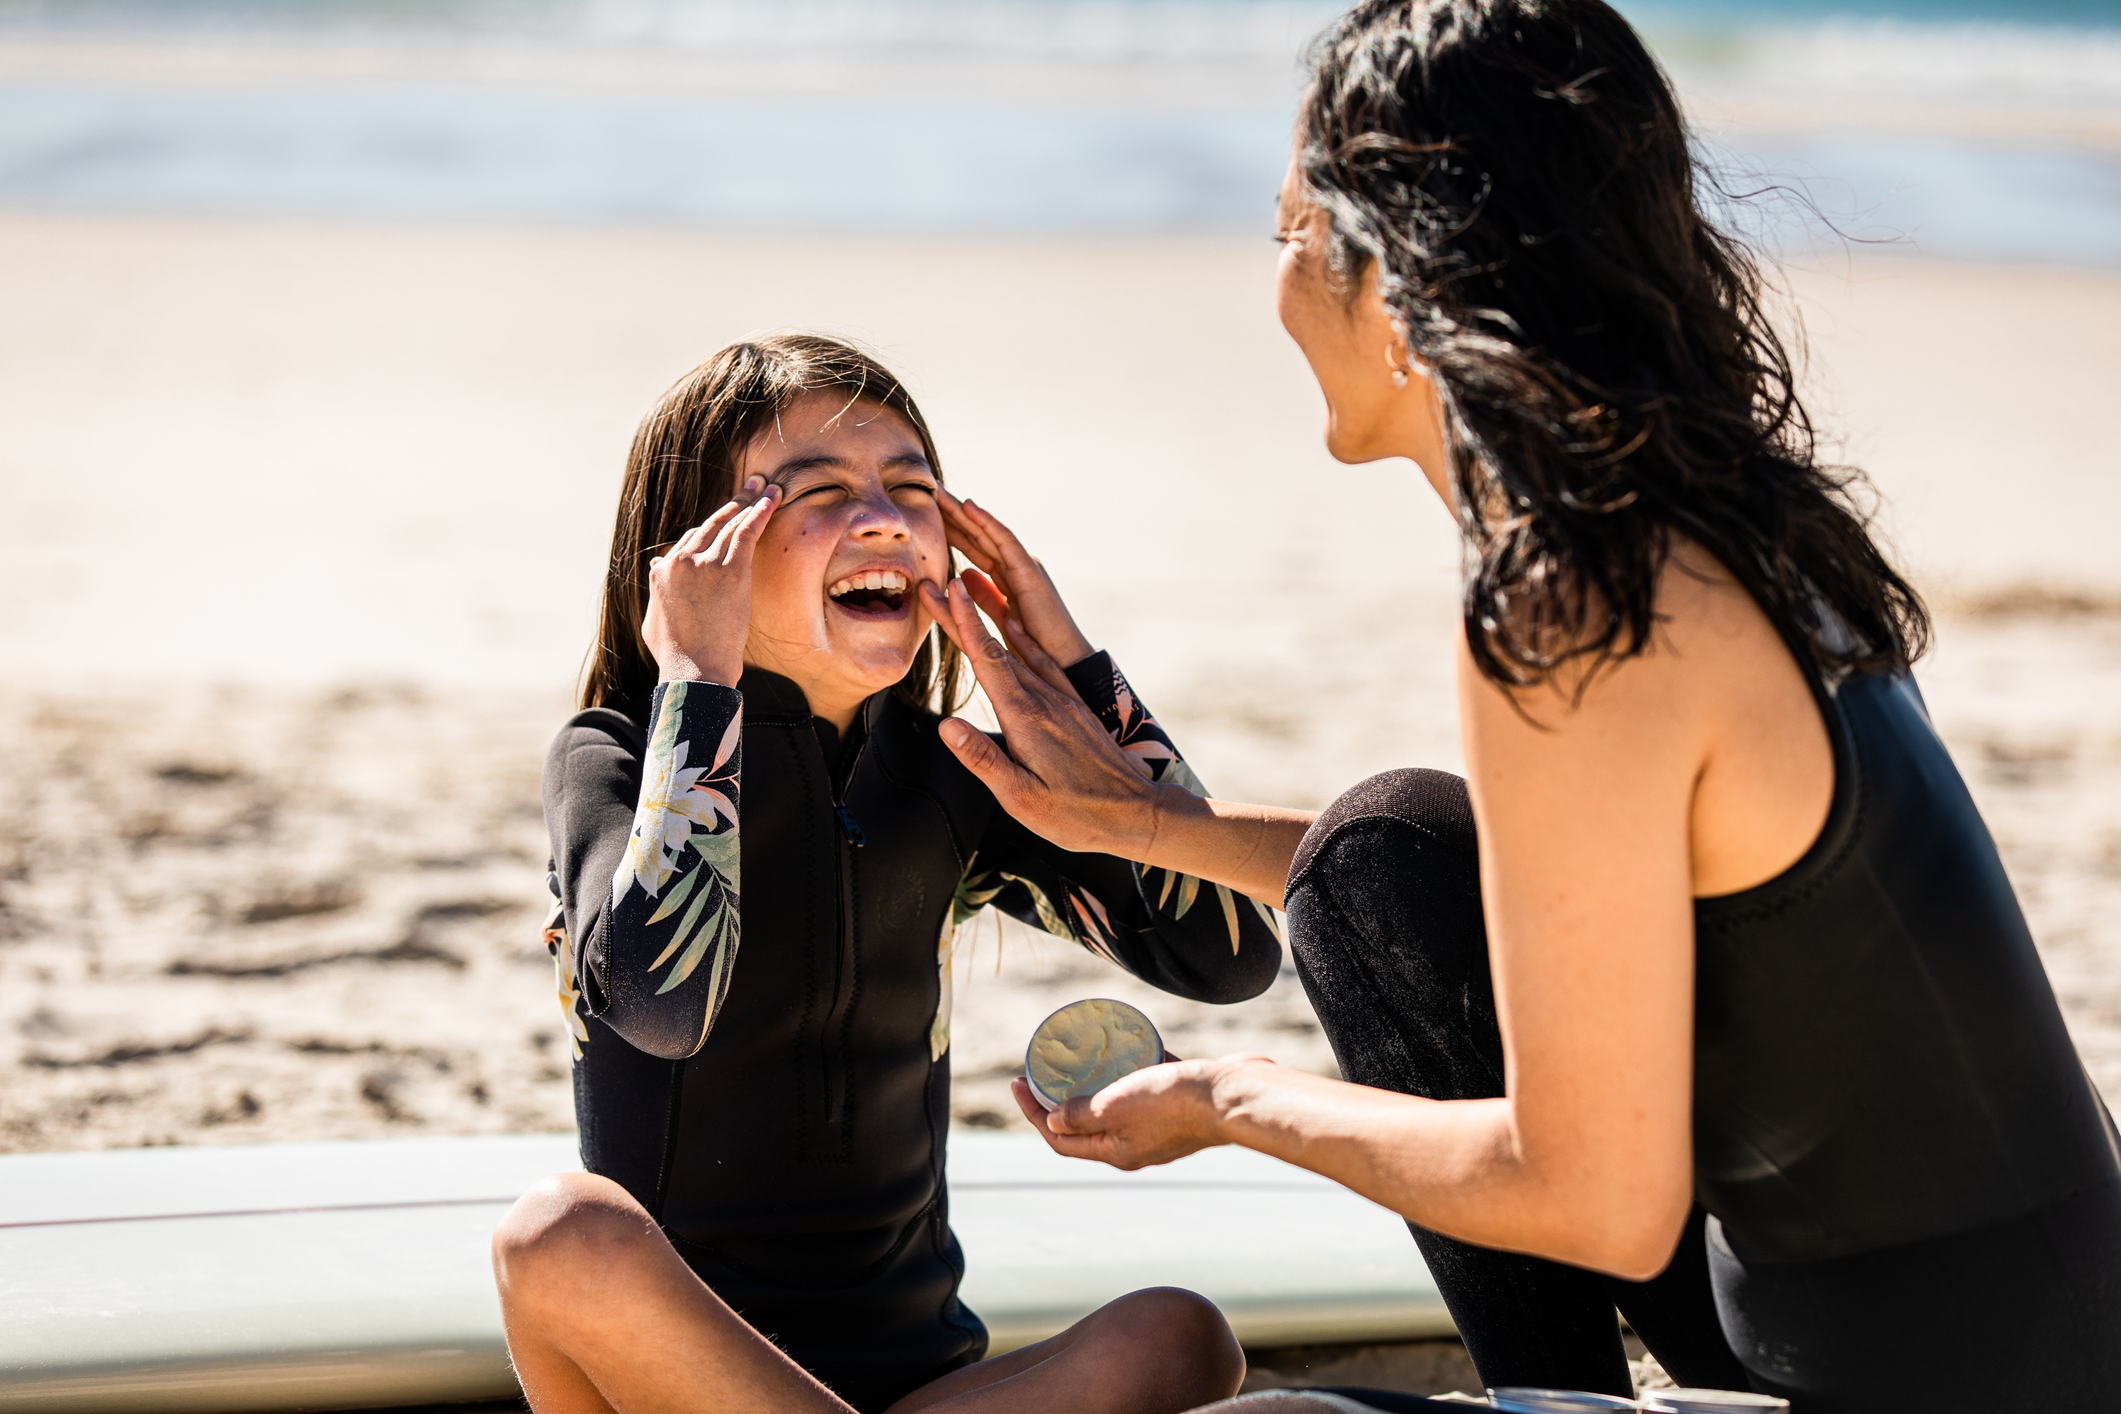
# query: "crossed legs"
(602, 1315)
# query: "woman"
(763, 1225)
(1713, 923)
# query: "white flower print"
(673, 801)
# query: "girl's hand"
(1062, 777)
(1153, 1116)
(699, 592)
(1011, 582)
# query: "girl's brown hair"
(683, 465)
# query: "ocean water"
(994, 116)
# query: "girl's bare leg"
(602, 1314)
(1150, 1352)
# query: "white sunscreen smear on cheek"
(1087, 1045)
(818, 638)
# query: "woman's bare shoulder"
(1766, 776)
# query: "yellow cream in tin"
(1087, 1045)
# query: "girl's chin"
(870, 666)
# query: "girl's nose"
(880, 517)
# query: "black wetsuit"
(782, 1108)
(1909, 1191)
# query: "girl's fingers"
(706, 537)
(690, 542)
(743, 533)
(728, 511)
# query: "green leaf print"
(1229, 903)
(671, 904)
(716, 925)
(1049, 917)
(724, 854)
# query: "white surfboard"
(355, 1275)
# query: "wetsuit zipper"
(850, 838)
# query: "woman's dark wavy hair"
(1518, 174)
(683, 464)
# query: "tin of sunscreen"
(1087, 1045)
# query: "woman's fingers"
(1036, 603)
(992, 665)
(1073, 1146)
(987, 594)
(1150, 1117)
(1036, 657)
(974, 551)
(1021, 697)
(965, 532)
(1012, 785)
(1007, 549)
(935, 598)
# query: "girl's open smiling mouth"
(871, 594)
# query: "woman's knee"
(570, 1232)
(1392, 862)
(1433, 805)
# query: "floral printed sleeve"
(659, 950)
(1180, 933)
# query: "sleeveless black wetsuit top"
(1879, 1058)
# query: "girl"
(761, 854)
(1705, 994)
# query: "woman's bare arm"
(1583, 811)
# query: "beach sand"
(300, 531)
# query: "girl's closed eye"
(811, 491)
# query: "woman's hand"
(1067, 781)
(1011, 582)
(1157, 1114)
(699, 592)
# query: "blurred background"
(324, 326)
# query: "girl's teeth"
(889, 580)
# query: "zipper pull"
(849, 828)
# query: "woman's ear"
(1399, 355)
